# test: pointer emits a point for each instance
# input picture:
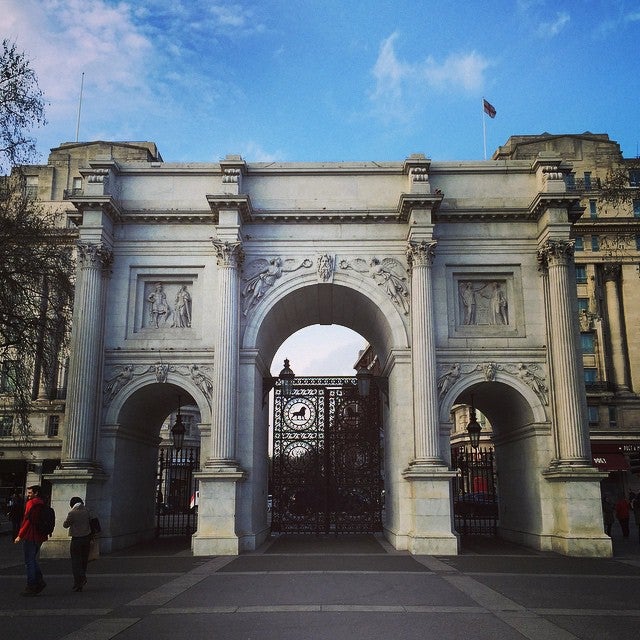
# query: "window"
(634, 178)
(590, 375)
(594, 417)
(613, 417)
(638, 243)
(32, 187)
(579, 243)
(581, 274)
(588, 342)
(593, 208)
(587, 180)
(583, 304)
(570, 181)
(595, 243)
(6, 426)
(636, 207)
(53, 425)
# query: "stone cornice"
(102, 203)
(544, 201)
(241, 203)
(169, 217)
(410, 201)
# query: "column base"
(66, 483)
(577, 528)
(431, 509)
(216, 534)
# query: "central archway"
(303, 302)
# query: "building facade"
(461, 276)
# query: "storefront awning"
(610, 462)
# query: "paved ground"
(355, 588)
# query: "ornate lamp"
(364, 377)
(286, 379)
(178, 430)
(474, 428)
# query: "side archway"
(523, 443)
(128, 451)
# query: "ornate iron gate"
(475, 498)
(176, 513)
(326, 471)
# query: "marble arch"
(444, 267)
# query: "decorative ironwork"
(475, 497)
(176, 513)
(326, 459)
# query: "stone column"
(80, 473)
(614, 317)
(425, 392)
(429, 504)
(227, 357)
(555, 258)
(217, 513)
(79, 445)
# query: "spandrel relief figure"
(158, 307)
(182, 308)
(388, 273)
(483, 302)
(262, 274)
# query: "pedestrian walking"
(635, 505)
(607, 514)
(78, 523)
(15, 511)
(622, 513)
(32, 539)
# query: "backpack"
(45, 521)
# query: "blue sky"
(330, 80)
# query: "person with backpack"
(32, 536)
(79, 525)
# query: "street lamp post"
(286, 379)
(474, 428)
(178, 430)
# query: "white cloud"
(395, 78)
(553, 28)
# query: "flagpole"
(484, 129)
(79, 107)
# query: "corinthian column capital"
(91, 254)
(611, 272)
(228, 254)
(421, 254)
(555, 252)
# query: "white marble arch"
(128, 453)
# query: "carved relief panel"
(484, 301)
(163, 304)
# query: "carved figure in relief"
(263, 273)
(468, 298)
(259, 283)
(387, 273)
(483, 302)
(201, 381)
(325, 267)
(159, 308)
(162, 371)
(113, 385)
(499, 306)
(535, 381)
(449, 378)
(182, 309)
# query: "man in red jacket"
(31, 540)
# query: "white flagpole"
(484, 129)
(79, 107)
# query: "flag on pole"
(489, 109)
